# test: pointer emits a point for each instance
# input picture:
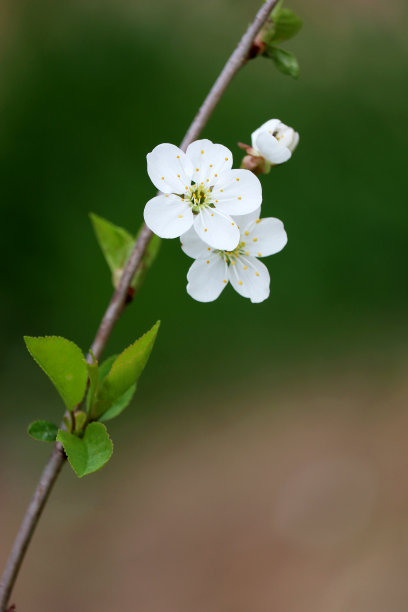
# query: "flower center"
(231, 256)
(199, 197)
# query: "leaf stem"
(117, 304)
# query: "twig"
(116, 305)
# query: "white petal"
(209, 161)
(207, 278)
(168, 216)
(193, 246)
(268, 126)
(243, 221)
(270, 148)
(250, 278)
(217, 229)
(264, 237)
(169, 169)
(238, 192)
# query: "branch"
(117, 304)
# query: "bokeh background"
(263, 463)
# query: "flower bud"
(274, 141)
(255, 164)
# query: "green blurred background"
(87, 90)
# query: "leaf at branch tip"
(284, 61)
(124, 372)
(64, 364)
(119, 406)
(90, 453)
(116, 244)
(43, 431)
(285, 25)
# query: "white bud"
(275, 141)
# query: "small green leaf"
(147, 261)
(64, 364)
(285, 61)
(90, 453)
(80, 420)
(286, 25)
(124, 372)
(119, 406)
(116, 244)
(43, 431)
(106, 366)
(93, 372)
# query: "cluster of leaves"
(282, 24)
(93, 394)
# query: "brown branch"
(116, 305)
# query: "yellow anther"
(211, 165)
(226, 159)
(224, 281)
(239, 198)
(162, 178)
(246, 253)
(257, 273)
(245, 267)
(259, 254)
(232, 263)
(237, 179)
(202, 152)
(208, 261)
(205, 229)
(232, 223)
(216, 201)
(255, 239)
(239, 282)
(212, 214)
(197, 170)
(258, 221)
(221, 190)
(167, 195)
(246, 233)
(178, 176)
(180, 216)
(208, 180)
(209, 249)
(215, 174)
(178, 156)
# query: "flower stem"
(117, 304)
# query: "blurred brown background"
(262, 465)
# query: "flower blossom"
(199, 190)
(274, 141)
(213, 268)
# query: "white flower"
(274, 141)
(200, 190)
(213, 268)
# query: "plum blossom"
(274, 141)
(214, 268)
(199, 190)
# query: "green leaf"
(106, 366)
(90, 453)
(43, 431)
(285, 61)
(64, 364)
(80, 420)
(116, 244)
(93, 372)
(119, 406)
(147, 261)
(124, 372)
(286, 25)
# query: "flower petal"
(271, 149)
(207, 278)
(244, 221)
(168, 216)
(193, 246)
(268, 126)
(169, 169)
(264, 237)
(209, 161)
(217, 229)
(250, 278)
(238, 192)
